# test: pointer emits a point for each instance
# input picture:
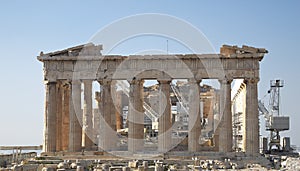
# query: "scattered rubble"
(196, 163)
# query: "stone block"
(141, 168)
(80, 168)
(125, 168)
(48, 169)
(73, 166)
(145, 164)
(132, 164)
(105, 167)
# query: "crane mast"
(275, 122)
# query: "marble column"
(96, 119)
(251, 139)
(118, 103)
(136, 117)
(108, 134)
(75, 136)
(164, 121)
(225, 131)
(59, 106)
(65, 117)
(50, 121)
(113, 104)
(194, 116)
(87, 115)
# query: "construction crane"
(275, 122)
(183, 102)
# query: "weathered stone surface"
(133, 164)
(88, 115)
(105, 167)
(214, 66)
(251, 140)
(164, 124)
(85, 64)
(125, 168)
(194, 117)
(75, 136)
(145, 164)
(136, 117)
(50, 118)
(225, 134)
(62, 165)
(80, 168)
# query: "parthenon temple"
(86, 92)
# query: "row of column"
(136, 117)
(251, 123)
(63, 115)
(68, 127)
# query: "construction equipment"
(123, 84)
(275, 122)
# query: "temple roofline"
(93, 52)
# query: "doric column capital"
(164, 81)
(47, 82)
(100, 82)
(251, 80)
(66, 84)
(225, 81)
(104, 81)
(135, 81)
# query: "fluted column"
(65, 117)
(108, 134)
(136, 117)
(87, 115)
(59, 106)
(118, 104)
(113, 103)
(251, 139)
(96, 119)
(194, 116)
(50, 118)
(225, 131)
(164, 121)
(75, 136)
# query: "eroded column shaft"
(108, 134)
(112, 102)
(97, 115)
(251, 139)
(164, 121)
(50, 114)
(119, 118)
(225, 131)
(59, 107)
(136, 117)
(88, 116)
(65, 117)
(194, 116)
(75, 136)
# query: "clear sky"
(28, 27)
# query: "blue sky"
(33, 26)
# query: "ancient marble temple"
(69, 74)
